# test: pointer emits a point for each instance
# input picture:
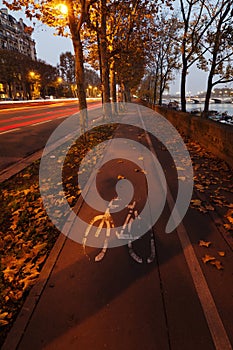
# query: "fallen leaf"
(227, 226)
(199, 187)
(229, 216)
(217, 264)
(29, 280)
(41, 259)
(196, 202)
(16, 295)
(26, 191)
(3, 315)
(221, 253)
(120, 177)
(209, 207)
(3, 322)
(37, 248)
(204, 243)
(207, 258)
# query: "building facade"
(15, 35)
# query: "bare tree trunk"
(24, 90)
(207, 97)
(104, 61)
(160, 96)
(79, 69)
(213, 63)
(113, 86)
(155, 91)
(127, 96)
(80, 81)
(184, 60)
(100, 62)
(10, 89)
(183, 86)
(103, 53)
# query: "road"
(25, 130)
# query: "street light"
(62, 8)
(58, 86)
(34, 84)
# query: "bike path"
(120, 303)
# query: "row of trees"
(111, 35)
(20, 75)
(122, 38)
(207, 38)
(24, 78)
(201, 33)
(66, 68)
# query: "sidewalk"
(177, 301)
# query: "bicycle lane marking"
(215, 324)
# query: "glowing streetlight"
(62, 8)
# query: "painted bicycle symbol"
(106, 220)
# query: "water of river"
(220, 107)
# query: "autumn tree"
(9, 70)
(15, 73)
(163, 55)
(48, 76)
(195, 21)
(66, 68)
(218, 41)
(68, 19)
(129, 44)
(126, 36)
(134, 40)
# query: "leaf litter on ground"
(213, 185)
(26, 233)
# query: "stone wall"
(214, 136)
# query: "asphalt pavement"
(25, 129)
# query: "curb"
(15, 334)
(12, 170)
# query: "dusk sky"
(49, 47)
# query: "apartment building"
(15, 35)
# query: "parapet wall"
(214, 136)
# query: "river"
(220, 107)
